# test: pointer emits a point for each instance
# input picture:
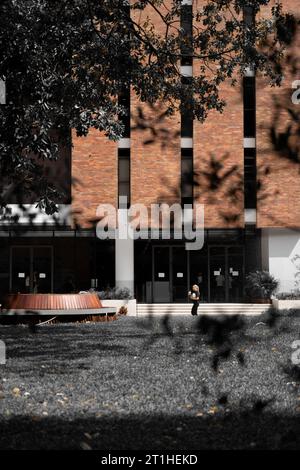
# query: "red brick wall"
(220, 139)
(279, 170)
(155, 166)
(155, 170)
(218, 163)
(94, 173)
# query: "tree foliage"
(65, 63)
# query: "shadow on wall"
(219, 179)
(278, 147)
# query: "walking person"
(194, 296)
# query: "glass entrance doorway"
(31, 269)
(226, 273)
(165, 273)
(170, 274)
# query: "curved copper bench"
(55, 304)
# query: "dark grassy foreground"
(137, 384)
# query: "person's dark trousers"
(195, 308)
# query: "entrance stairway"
(207, 309)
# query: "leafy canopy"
(66, 61)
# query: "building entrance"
(31, 269)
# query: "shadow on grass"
(66, 349)
(242, 430)
(72, 342)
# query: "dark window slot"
(249, 16)
(124, 152)
(250, 195)
(187, 108)
(187, 152)
(187, 124)
(249, 97)
(124, 101)
(249, 92)
(249, 124)
(124, 176)
(124, 190)
(187, 201)
(250, 174)
(187, 179)
(186, 23)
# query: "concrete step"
(207, 309)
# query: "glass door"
(235, 262)
(20, 276)
(217, 274)
(42, 269)
(198, 267)
(179, 274)
(170, 274)
(226, 278)
(31, 269)
(161, 274)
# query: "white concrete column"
(124, 256)
(265, 249)
(124, 249)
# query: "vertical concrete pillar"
(265, 255)
(124, 256)
(124, 249)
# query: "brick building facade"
(241, 234)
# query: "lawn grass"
(151, 383)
